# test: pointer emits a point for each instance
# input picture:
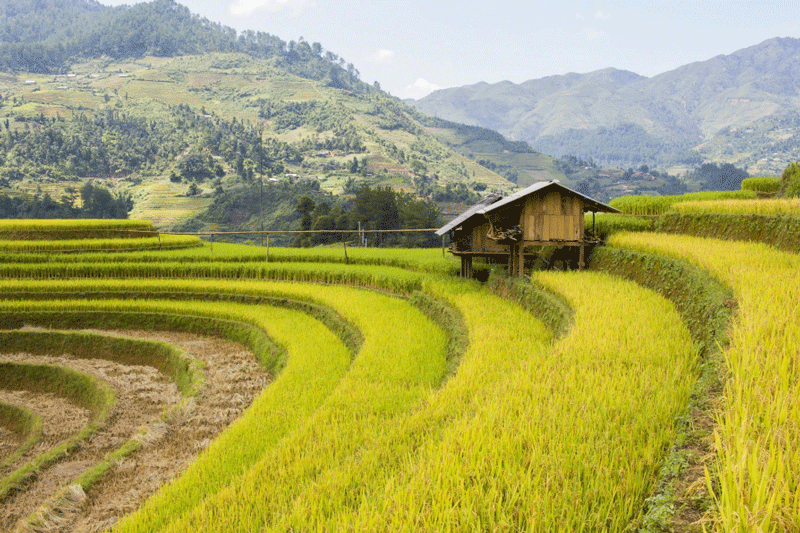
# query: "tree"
(305, 206)
(322, 209)
(790, 181)
(195, 167)
(417, 214)
(99, 203)
(324, 222)
(377, 207)
(725, 177)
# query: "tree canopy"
(790, 180)
(96, 202)
(47, 36)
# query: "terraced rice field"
(216, 391)
(756, 441)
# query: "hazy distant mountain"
(742, 108)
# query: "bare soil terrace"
(232, 380)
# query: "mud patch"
(232, 380)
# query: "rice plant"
(165, 242)
(758, 437)
(658, 205)
(777, 206)
(55, 229)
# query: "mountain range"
(742, 108)
(189, 118)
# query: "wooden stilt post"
(521, 260)
(581, 262)
(346, 259)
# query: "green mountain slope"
(740, 108)
(156, 102)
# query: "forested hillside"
(37, 39)
(183, 114)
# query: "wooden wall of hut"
(482, 243)
(553, 218)
(475, 240)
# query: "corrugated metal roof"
(469, 213)
(589, 203)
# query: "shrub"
(790, 181)
(763, 185)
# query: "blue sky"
(414, 46)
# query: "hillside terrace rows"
(447, 407)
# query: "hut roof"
(588, 203)
(469, 213)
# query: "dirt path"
(233, 379)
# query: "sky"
(413, 47)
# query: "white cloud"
(578, 16)
(420, 89)
(602, 16)
(246, 7)
(593, 34)
(382, 56)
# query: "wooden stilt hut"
(544, 214)
(469, 236)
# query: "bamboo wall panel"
(482, 243)
(553, 218)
